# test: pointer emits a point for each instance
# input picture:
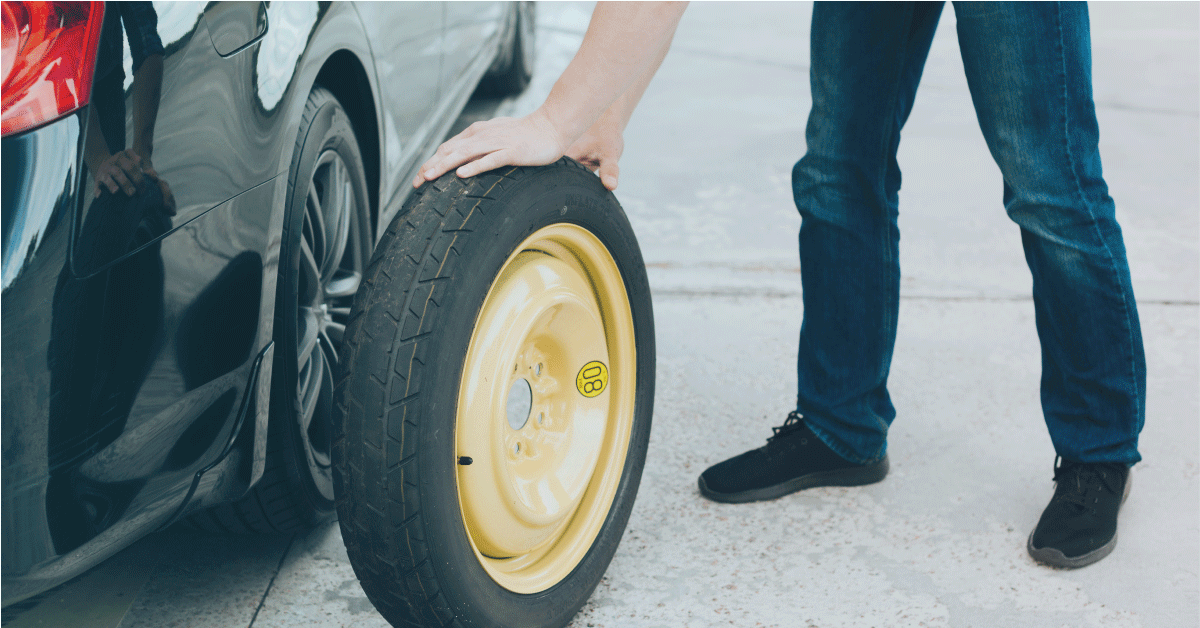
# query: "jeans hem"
(840, 449)
(1129, 462)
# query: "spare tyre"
(494, 400)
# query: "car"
(224, 306)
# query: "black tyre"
(325, 244)
(511, 72)
(495, 400)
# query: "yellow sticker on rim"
(592, 379)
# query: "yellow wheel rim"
(545, 408)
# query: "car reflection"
(291, 24)
(107, 327)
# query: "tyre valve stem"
(465, 460)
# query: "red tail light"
(49, 55)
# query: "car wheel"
(495, 400)
(325, 243)
(511, 72)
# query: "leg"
(866, 62)
(1029, 71)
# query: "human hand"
(529, 141)
(600, 149)
(121, 171)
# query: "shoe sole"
(852, 476)
(1055, 558)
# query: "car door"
(468, 26)
(155, 321)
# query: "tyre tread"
(398, 578)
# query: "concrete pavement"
(705, 180)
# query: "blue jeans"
(1028, 67)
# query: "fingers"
(448, 156)
(597, 159)
(131, 167)
(488, 145)
(473, 142)
(588, 160)
(608, 174)
(120, 172)
(116, 180)
(464, 153)
(123, 180)
(491, 161)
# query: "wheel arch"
(337, 57)
(344, 74)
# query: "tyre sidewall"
(524, 44)
(564, 194)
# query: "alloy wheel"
(331, 265)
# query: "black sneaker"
(1079, 526)
(793, 459)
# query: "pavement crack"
(753, 293)
(1162, 111)
(263, 600)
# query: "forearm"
(95, 149)
(623, 47)
(147, 90)
(617, 116)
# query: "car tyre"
(325, 243)
(513, 69)
(502, 344)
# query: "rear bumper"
(40, 192)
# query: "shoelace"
(1082, 479)
(792, 423)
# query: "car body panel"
(468, 26)
(137, 335)
(404, 46)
